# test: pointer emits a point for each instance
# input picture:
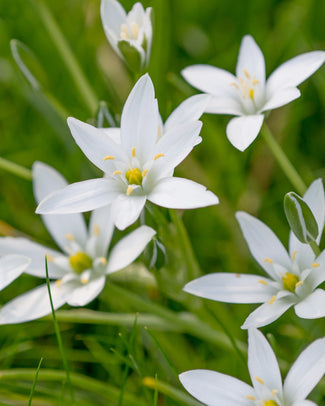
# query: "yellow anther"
(124, 32)
(274, 392)
(58, 283)
(299, 283)
(272, 299)
(133, 152)
(80, 262)
(246, 73)
(289, 281)
(129, 190)
(250, 397)
(145, 172)
(96, 229)
(268, 260)
(251, 94)
(255, 82)
(259, 380)
(117, 173)
(49, 258)
(315, 265)
(135, 30)
(294, 255)
(262, 281)
(159, 131)
(102, 260)
(108, 157)
(84, 280)
(134, 176)
(69, 237)
(160, 155)
(234, 84)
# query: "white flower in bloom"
(11, 267)
(292, 279)
(81, 268)
(216, 389)
(130, 34)
(137, 162)
(248, 95)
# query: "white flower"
(247, 94)
(81, 268)
(11, 267)
(292, 279)
(216, 389)
(130, 34)
(138, 164)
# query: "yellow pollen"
(294, 255)
(289, 281)
(84, 280)
(250, 397)
(259, 380)
(272, 299)
(274, 392)
(268, 260)
(134, 176)
(234, 84)
(124, 32)
(117, 173)
(270, 402)
(145, 172)
(246, 73)
(108, 157)
(129, 190)
(58, 283)
(49, 258)
(103, 260)
(255, 82)
(69, 237)
(135, 30)
(315, 265)
(263, 282)
(299, 283)
(96, 229)
(133, 152)
(160, 155)
(251, 93)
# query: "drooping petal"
(281, 97)
(126, 210)
(33, 304)
(101, 228)
(79, 197)
(81, 295)
(12, 266)
(45, 181)
(129, 248)
(250, 60)
(262, 363)
(113, 16)
(225, 105)
(306, 372)
(294, 71)
(215, 389)
(242, 131)
(231, 288)
(313, 306)
(179, 193)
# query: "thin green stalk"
(34, 382)
(68, 58)
(283, 161)
(58, 335)
(316, 250)
(15, 169)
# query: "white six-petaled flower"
(81, 268)
(216, 389)
(138, 161)
(248, 95)
(292, 279)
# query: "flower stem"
(283, 161)
(15, 169)
(34, 382)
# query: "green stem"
(283, 161)
(34, 382)
(313, 245)
(68, 58)
(15, 169)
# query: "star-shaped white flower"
(248, 95)
(138, 161)
(216, 389)
(81, 268)
(11, 267)
(292, 279)
(130, 34)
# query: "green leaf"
(300, 218)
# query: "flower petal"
(113, 16)
(306, 372)
(12, 266)
(215, 389)
(242, 131)
(81, 295)
(126, 210)
(231, 288)
(281, 97)
(224, 105)
(179, 193)
(129, 248)
(251, 60)
(101, 229)
(313, 306)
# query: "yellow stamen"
(299, 283)
(133, 152)
(96, 229)
(250, 397)
(103, 260)
(268, 260)
(145, 172)
(272, 299)
(84, 280)
(246, 73)
(274, 392)
(290, 281)
(158, 156)
(124, 32)
(58, 283)
(159, 131)
(69, 237)
(255, 82)
(80, 262)
(134, 176)
(251, 94)
(135, 30)
(117, 173)
(49, 258)
(315, 265)
(259, 380)
(108, 157)
(294, 255)
(129, 190)
(234, 84)
(270, 402)
(263, 282)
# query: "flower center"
(246, 85)
(290, 282)
(270, 402)
(129, 34)
(134, 176)
(80, 262)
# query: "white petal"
(242, 131)
(281, 97)
(179, 193)
(79, 197)
(262, 363)
(215, 389)
(263, 243)
(32, 305)
(113, 16)
(114, 133)
(304, 403)
(81, 295)
(313, 306)
(306, 372)
(230, 288)
(129, 248)
(126, 210)
(224, 105)
(101, 228)
(250, 59)
(12, 266)
(294, 71)
(45, 181)
(189, 110)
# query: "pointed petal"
(251, 60)
(306, 372)
(179, 193)
(215, 389)
(129, 248)
(11, 267)
(242, 131)
(81, 295)
(126, 210)
(113, 16)
(224, 105)
(231, 288)
(45, 181)
(101, 228)
(262, 363)
(313, 306)
(294, 71)
(79, 197)
(281, 97)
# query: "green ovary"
(134, 176)
(289, 283)
(80, 262)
